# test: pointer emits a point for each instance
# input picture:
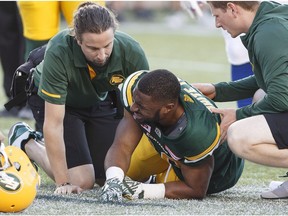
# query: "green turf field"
(196, 54)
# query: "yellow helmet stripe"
(127, 88)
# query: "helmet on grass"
(19, 180)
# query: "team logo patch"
(9, 182)
(116, 79)
(188, 99)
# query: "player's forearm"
(170, 190)
(55, 149)
(116, 158)
(179, 190)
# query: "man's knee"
(83, 176)
(236, 140)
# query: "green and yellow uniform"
(198, 140)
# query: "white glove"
(137, 190)
(132, 189)
(112, 191)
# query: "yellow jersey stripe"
(50, 94)
(208, 150)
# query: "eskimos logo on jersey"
(116, 79)
(9, 182)
(187, 98)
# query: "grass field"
(196, 54)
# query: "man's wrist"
(63, 184)
(114, 172)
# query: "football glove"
(132, 189)
(112, 190)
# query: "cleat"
(20, 133)
(280, 192)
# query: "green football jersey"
(64, 77)
(197, 141)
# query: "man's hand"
(68, 189)
(112, 190)
(132, 189)
(207, 89)
(228, 116)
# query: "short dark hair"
(161, 84)
(247, 5)
(93, 18)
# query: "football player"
(167, 132)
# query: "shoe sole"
(274, 197)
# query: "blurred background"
(192, 48)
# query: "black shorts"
(278, 123)
(88, 132)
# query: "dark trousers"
(11, 41)
(88, 132)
